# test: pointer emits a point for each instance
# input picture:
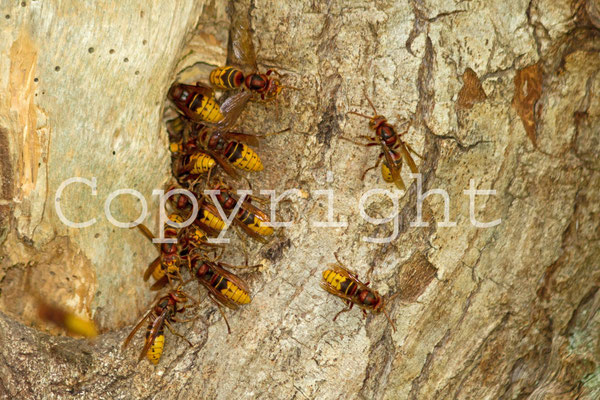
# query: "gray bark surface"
(501, 93)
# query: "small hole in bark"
(91, 50)
(35, 79)
(7, 16)
(23, 4)
(57, 68)
(137, 72)
(114, 153)
(144, 42)
(126, 59)
(112, 51)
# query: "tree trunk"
(502, 96)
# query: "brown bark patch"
(416, 275)
(528, 90)
(6, 184)
(471, 92)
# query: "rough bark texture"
(502, 93)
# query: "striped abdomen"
(211, 220)
(254, 223)
(200, 163)
(79, 326)
(169, 264)
(385, 169)
(176, 147)
(207, 108)
(174, 217)
(197, 236)
(169, 260)
(230, 290)
(226, 78)
(340, 282)
(156, 348)
(243, 157)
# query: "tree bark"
(502, 96)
